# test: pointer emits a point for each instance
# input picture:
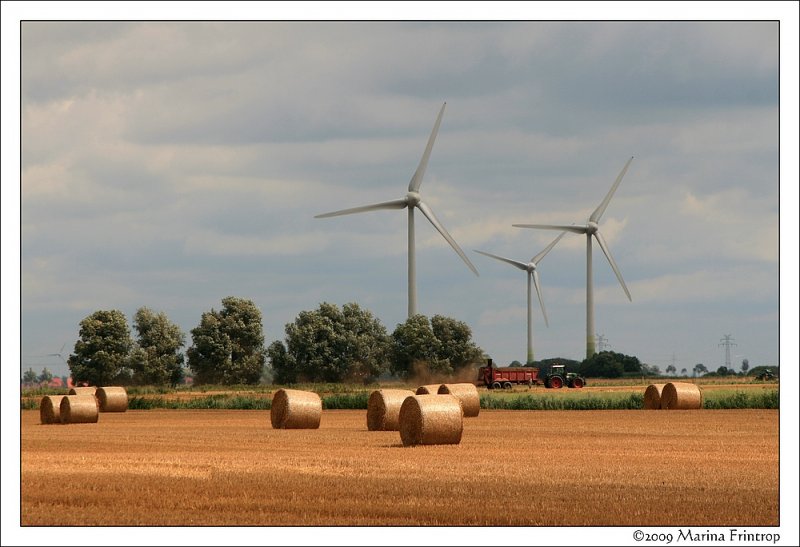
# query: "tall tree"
(745, 366)
(102, 353)
(699, 368)
(606, 364)
(442, 345)
(610, 364)
(157, 359)
(46, 376)
(413, 346)
(30, 377)
(671, 369)
(331, 345)
(455, 342)
(228, 345)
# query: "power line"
(727, 342)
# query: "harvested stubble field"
(525, 468)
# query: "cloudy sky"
(172, 164)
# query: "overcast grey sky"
(172, 164)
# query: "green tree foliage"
(699, 368)
(671, 370)
(442, 345)
(331, 345)
(30, 377)
(228, 345)
(157, 358)
(650, 370)
(102, 352)
(610, 364)
(745, 366)
(46, 376)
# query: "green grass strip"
(714, 400)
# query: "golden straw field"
(524, 468)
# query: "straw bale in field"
(83, 390)
(431, 419)
(112, 399)
(652, 396)
(431, 389)
(468, 395)
(79, 409)
(383, 409)
(681, 396)
(295, 409)
(49, 410)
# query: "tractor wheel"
(556, 382)
(507, 385)
(577, 383)
(496, 385)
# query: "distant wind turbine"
(411, 201)
(532, 274)
(59, 354)
(591, 228)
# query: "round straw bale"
(431, 389)
(431, 419)
(83, 390)
(681, 396)
(468, 395)
(79, 409)
(112, 399)
(383, 409)
(652, 396)
(295, 409)
(49, 410)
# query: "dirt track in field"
(523, 468)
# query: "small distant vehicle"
(507, 377)
(765, 374)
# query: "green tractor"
(765, 375)
(558, 377)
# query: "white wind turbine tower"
(532, 275)
(591, 228)
(411, 201)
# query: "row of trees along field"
(328, 344)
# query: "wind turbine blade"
(571, 228)
(436, 224)
(522, 266)
(607, 252)
(416, 180)
(539, 294)
(602, 207)
(540, 256)
(395, 204)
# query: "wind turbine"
(411, 201)
(59, 353)
(532, 274)
(591, 228)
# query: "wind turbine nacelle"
(592, 227)
(413, 199)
